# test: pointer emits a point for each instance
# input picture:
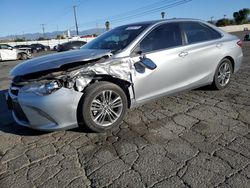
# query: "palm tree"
(162, 15)
(107, 25)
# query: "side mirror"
(148, 63)
(10, 48)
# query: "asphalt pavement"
(198, 138)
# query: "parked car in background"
(122, 68)
(71, 45)
(8, 52)
(29, 48)
(40, 47)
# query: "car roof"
(152, 22)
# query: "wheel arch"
(21, 53)
(123, 84)
(231, 60)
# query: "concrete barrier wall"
(235, 28)
(53, 42)
(50, 43)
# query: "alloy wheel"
(224, 74)
(106, 108)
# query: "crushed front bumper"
(51, 112)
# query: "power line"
(137, 10)
(146, 10)
(177, 3)
(156, 4)
(128, 15)
(65, 11)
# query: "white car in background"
(7, 52)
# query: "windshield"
(117, 39)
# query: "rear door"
(203, 52)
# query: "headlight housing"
(42, 88)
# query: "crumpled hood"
(56, 60)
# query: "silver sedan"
(123, 68)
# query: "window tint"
(164, 36)
(4, 46)
(198, 32)
(116, 39)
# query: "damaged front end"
(49, 99)
(77, 75)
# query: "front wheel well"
(121, 83)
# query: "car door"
(163, 45)
(202, 52)
(7, 52)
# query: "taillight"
(240, 43)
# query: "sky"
(26, 16)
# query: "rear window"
(199, 32)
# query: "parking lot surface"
(198, 138)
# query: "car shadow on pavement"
(7, 124)
(205, 88)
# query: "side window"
(4, 46)
(162, 37)
(198, 32)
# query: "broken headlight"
(43, 88)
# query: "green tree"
(41, 38)
(60, 37)
(107, 25)
(241, 17)
(223, 22)
(19, 39)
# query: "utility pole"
(74, 8)
(43, 29)
(224, 16)
(212, 19)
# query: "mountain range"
(32, 36)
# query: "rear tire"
(223, 74)
(103, 106)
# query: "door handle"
(183, 54)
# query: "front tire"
(103, 106)
(223, 74)
(24, 56)
(19, 57)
